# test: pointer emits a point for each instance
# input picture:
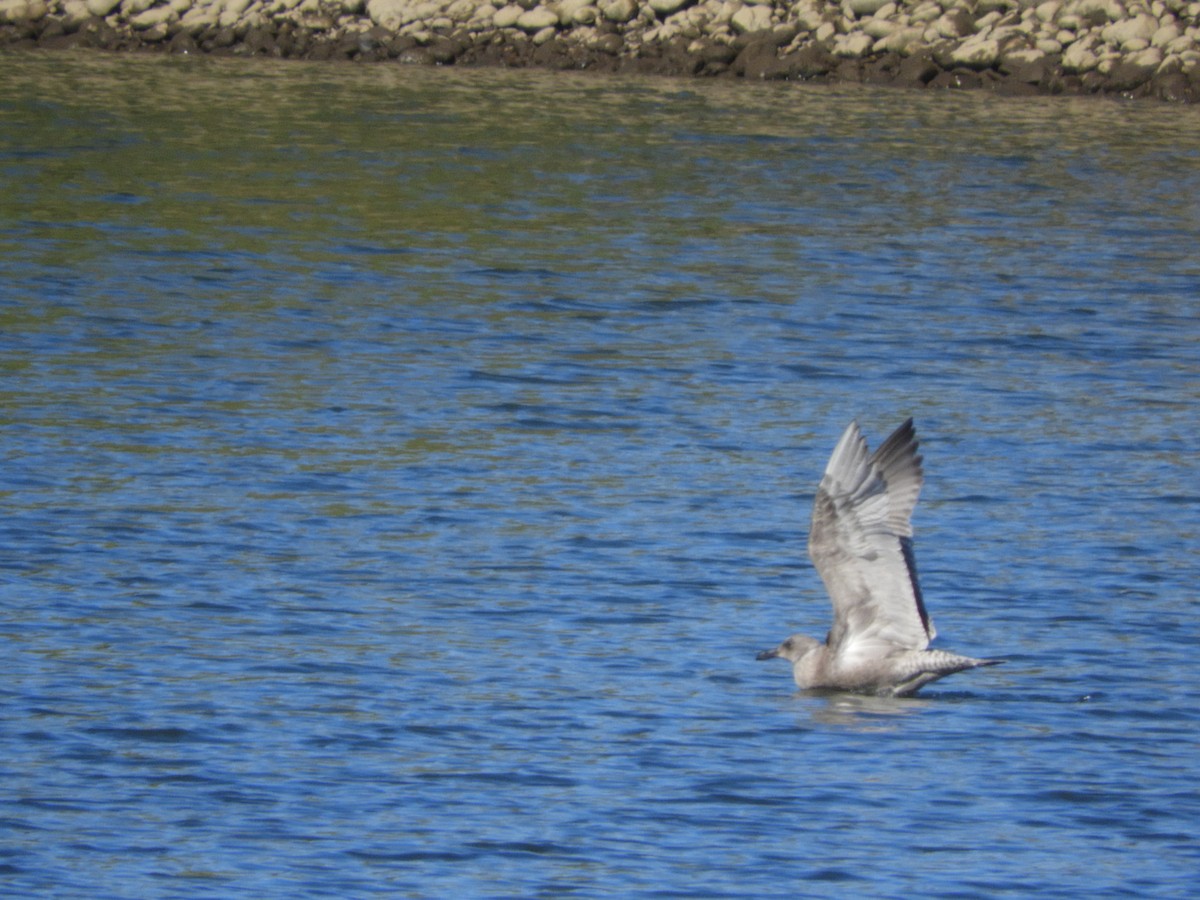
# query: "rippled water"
(401, 468)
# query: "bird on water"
(860, 541)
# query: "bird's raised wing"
(861, 543)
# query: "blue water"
(401, 469)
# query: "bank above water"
(1137, 49)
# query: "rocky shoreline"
(1129, 48)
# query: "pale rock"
(878, 27)
(547, 33)
(1079, 57)
(506, 16)
(75, 13)
(954, 25)
(807, 15)
(862, 8)
(461, 11)
(1009, 36)
(925, 12)
(728, 8)
(1181, 44)
(976, 53)
(904, 41)
(236, 7)
(1170, 65)
(585, 15)
(534, 20)
(1151, 57)
(750, 19)
(986, 21)
(1025, 55)
(150, 18)
(886, 11)
(618, 10)
(1049, 46)
(1138, 28)
(1048, 11)
(390, 14)
(566, 9)
(131, 8)
(854, 45)
(1165, 35)
(197, 19)
(664, 8)
(21, 10)
(824, 34)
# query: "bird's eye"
(787, 645)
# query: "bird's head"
(794, 649)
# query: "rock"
(1165, 35)
(664, 8)
(878, 27)
(865, 7)
(1097, 12)
(506, 17)
(1175, 88)
(607, 43)
(853, 46)
(183, 44)
(812, 61)
(960, 79)
(618, 10)
(1048, 11)
(22, 10)
(807, 15)
(536, 20)
(917, 70)
(955, 24)
(585, 15)
(151, 18)
(1034, 71)
(1126, 76)
(1079, 58)
(461, 11)
(757, 60)
(75, 13)
(101, 8)
(1150, 58)
(391, 14)
(976, 53)
(1139, 28)
(903, 41)
(750, 19)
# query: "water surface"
(401, 468)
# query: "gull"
(860, 541)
